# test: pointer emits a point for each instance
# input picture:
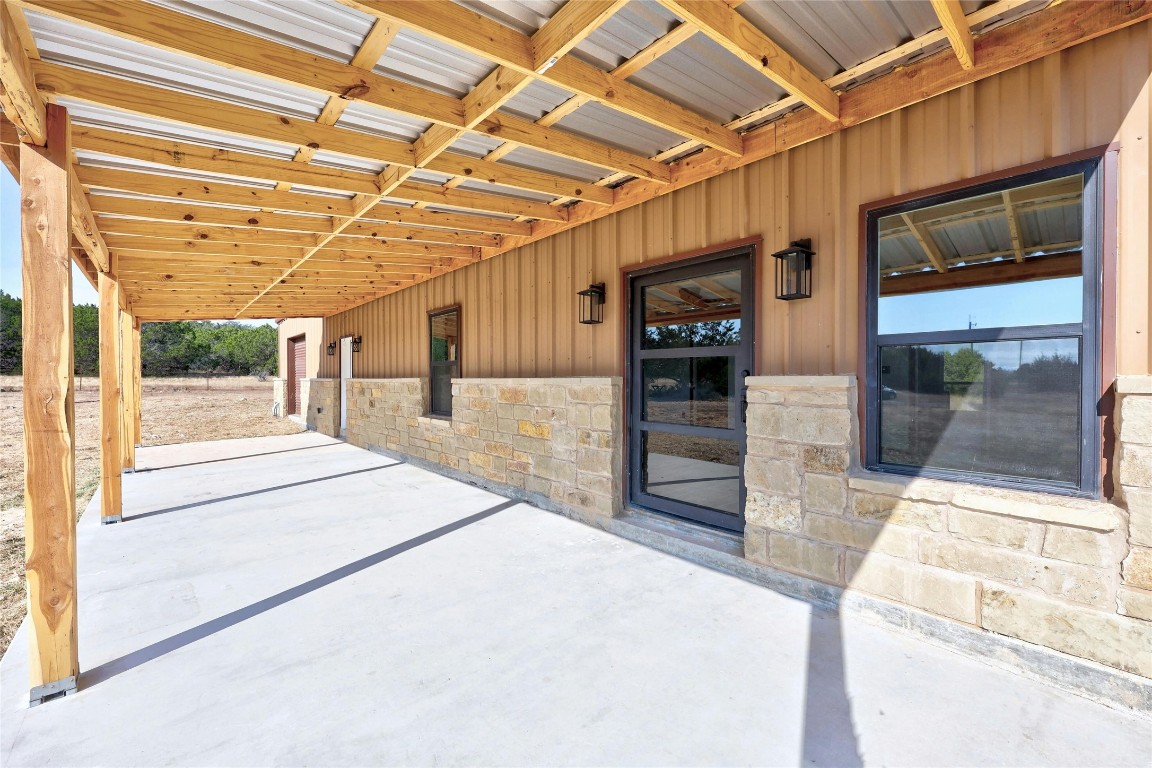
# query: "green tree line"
(166, 349)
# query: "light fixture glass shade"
(794, 271)
(592, 304)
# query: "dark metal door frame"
(742, 257)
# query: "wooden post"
(137, 387)
(110, 458)
(49, 422)
(127, 393)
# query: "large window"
(444, 326)
(983, 333)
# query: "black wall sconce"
(794, 271)
(331, 349)
(592, 304)
(356, 342)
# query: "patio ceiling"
(270, 158)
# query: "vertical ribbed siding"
(519, 309)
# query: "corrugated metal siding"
(519, 309)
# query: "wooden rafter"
(955, 26)
(1044, 33)
(466, 29)
(1013, 226)
(345, 83)
(741, 38)
(926, 242)
(24, 108)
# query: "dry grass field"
(174, 410)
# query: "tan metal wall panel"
(313, 328)
(519, 309)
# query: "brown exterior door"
(297, 358)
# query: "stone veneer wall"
(1061, 572)
(557, 440)
(321, 398)
(1134, 417)
(279, 397)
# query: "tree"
(86, 339)
(11, 334)
(964, 366)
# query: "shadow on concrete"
(234, 458)
(135, 659)
(206, 502)
(829, 736)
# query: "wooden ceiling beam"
(249, 166)
(217, 44)
(744, 40)
(955, 26)
(927, 244)
(211, 215)
(345, 83)
(466, 29)
(1038, 35)
(20, 99)
(371, 235)
(217, 115)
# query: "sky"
(10, 279)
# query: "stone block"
(498, 449)
(1139, 501)
(512, 394)
(809, 558)
(1080, 513)
(895, 511)
(772, 448)
(1136, 603)
(777, 477)
(1137, 568)
(756, 395)
(594, 462)
(764, 420)
(825, 493)
(1076, 545)
(822, 458)
(537, 394)
(990, 529)
(756, 544)
(534, 429)
(599, 484)
(778, 513)
(558, 471)
(580, 415)
(837, 530)
(481, 460)
(1117, 641)
(1136, 419)
(878, 575)
(947, 594)
(1136, 465)
(602, 417)
(823, 397)
(1059, 579)
(822, 426)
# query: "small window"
(445, 358)
(983, 333)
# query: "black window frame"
(1089, 331)
(453, 366)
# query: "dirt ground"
(173, 410)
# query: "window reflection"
(694, 312)
(699, 391)
(1006, 407)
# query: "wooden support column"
(49, 418)
(110, 457)
(127, 392)
(137, 387)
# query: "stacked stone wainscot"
(553, 440)
(1061, 572)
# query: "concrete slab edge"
(1111, 687)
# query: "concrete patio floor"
(297, 601)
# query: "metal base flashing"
(49, 691)
(108, 520)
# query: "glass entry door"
(690, 350)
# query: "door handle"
(744, 397)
